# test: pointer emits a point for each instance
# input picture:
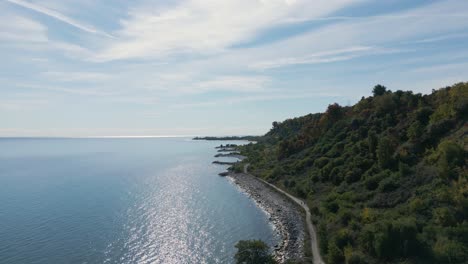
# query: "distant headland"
(249, 138)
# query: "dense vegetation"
(386, 179)
(253, 252)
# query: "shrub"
(385, 151)
(395, 239)
(253, 252)
(323, 238)
(335, 254)
(448, 156)
(389, 184)
(345, 217)
(373, 182)
(356, 258)
(342, 238)
(422, 115)
(415, 131)
(320, 162)
(331, 206)
(353, 175)
(450, 251)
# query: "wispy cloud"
(440, 38)
(234, 83)
(319, 57)
(21, 105)
(449, 68)
(258, 98)
(20, 29)
(181, 60)
(76, 76)
(205, 27)
(56, 15)
(79, 90)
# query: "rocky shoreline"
(284, 214)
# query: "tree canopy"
(253, 252)
(386, 179)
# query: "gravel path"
(317, 258)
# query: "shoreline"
(284, 214)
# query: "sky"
(208, 67)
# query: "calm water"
(151, 200)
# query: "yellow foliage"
(367, 215)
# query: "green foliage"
(253, 252)
(321, 162)
(335, 254)
(389, 184)
(415, 131)
(372, 142)
(323, 238)
(384, 104)
(387, 177)
(449, 156)
(379, 90)
(238, 167)
(385, 151)
(355, 258)
(450, 251)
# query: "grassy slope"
(386, 179)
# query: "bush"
(300, 192)
(415, 131)
(335, 254)
(356, 258)
(448, 156)
(444, 216)
(384, 104)
(422, 115)
(373, 182)
(385, 151)
(331, 206)
(353, 175)
(253, 252)
(322, 233)
(345, 216)
(343, 238)
(395, 239)
(403, 169)
(320, 162)
(389, 184)
(450, 251)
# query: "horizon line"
(110, 137)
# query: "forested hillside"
(386, 179)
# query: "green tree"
(335, 254)
(372, 141)
(379, 90)
(449, 251)
(253, 252)
(448, 156)
(334, 112)
(415, 131)
(385, 104)
(384, 152)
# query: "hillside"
(386, 179)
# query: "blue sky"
(210, 67)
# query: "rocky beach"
(285, 215)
